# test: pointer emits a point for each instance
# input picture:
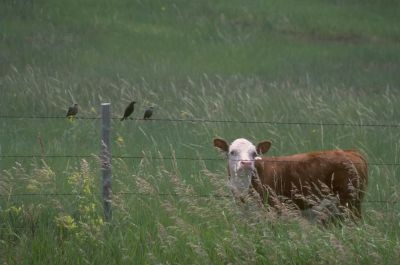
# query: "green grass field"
(288, 62)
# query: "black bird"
(72, 111)
(148, 113)
(128, 110)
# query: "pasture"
(310, 75)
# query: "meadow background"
(285, 63)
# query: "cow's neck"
(240, 182)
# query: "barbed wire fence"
(161, 158)
(301, 123)
(105, 156)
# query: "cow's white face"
(242, 155)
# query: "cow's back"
(343, 172)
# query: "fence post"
(105, 157)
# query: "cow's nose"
(245, 163)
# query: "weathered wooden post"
(105, 157)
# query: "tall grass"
(183, 227)
(165, 210)
(283, 61)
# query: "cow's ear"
(263, 147)
(221, 144)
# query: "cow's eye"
(253, 154)
(233, 153)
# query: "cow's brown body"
(345, 173)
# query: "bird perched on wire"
(72, 111)
(148, 113)
(129, 110)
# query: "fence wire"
(320, 123)
(161, 194)
(164, 158)
(199, 120)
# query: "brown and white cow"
(297, 176)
